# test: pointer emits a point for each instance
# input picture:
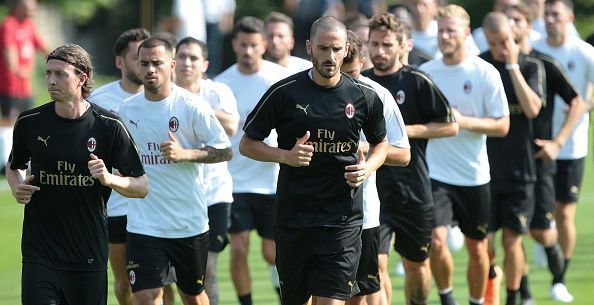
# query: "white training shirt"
(396, 134)
(577, 58)
(175, 206)
(539, 26)
(481, 40)
(474, 88)
(111, 96)
(250, 176)
(219, 184)
(298, 64)
(427, 41)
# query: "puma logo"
(424, 248)
(297, 106)
(134, 123)
(39, 138)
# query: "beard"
(320, 67)
(383, 66)
(133, 77)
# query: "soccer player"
(537, 8)
(110, 97)
(546, 145)
(175, 131)
(191, 64)
(254, 183)
(511, 158)
(279, 35)
(359, 24)
(405, 192)
(398, 155)
(318, 115)
(458, 166)
(577, 59)
(72, 145)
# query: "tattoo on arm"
(214, 155)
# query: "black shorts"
(320, 261)
(512, 206)
(253, 211)
(412, 230)
(218, 223)
(116, 229)
(13, 106)
(544, 203)
(151, 260)
(568, 180)
(368, 272)
(42, 285)
(469, 205)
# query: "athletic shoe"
(530, 301)
(540, 257)
(400, 269)
(455, 238)
(493, 293)
(560, 293)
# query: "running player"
(110, 97)
(547, 146)
(175, 132)
(254, 183)
(319, 115)
(72, 145)
(405, 192)
(279, 35)
(577, 59)
(191, 64)
(398, 155)
(458, 166)
(511, 158)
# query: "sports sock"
(245, 299)
(511, 297)
(447, 296)
(555, 262)
(561, 279)
(492, 273)
(473, 301)
(525, 288)
(413, 303)
(274, 278)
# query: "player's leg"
(368, 271)
(386, 234)
(264, 216)
(218, 216)
(188, 256)
(493, 290)
(84, 287)
(293, 253)
(242, 221)
(117, 259)
(40, 285)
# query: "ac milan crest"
(173, 124)
(91, 144)
(467, 87)
(349, 110)
(132, 277)
(400, 97)
(571, 65)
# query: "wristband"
(512, 67)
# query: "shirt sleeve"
(533, 73)
(20, 154)
(494, 98)
(124, 152)
(395, 128)
(432, 103)
(37, 41)
(264, 117)
(375, 125)
(227, 101)
(7, 31)
(207, 128)
(560, 82)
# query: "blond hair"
(454, 11)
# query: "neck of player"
(71, 109)
(323, 81)
(395, 68)
(158, 94)
(455, 57)
(190, 85)
(129, 86)
(557, 41)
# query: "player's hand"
(549, 149)
(513, 51)
(24, 191)
(171, 149)
(98, 170)
(300, 155)
(356, 174)
(460, 119)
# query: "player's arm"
(432, 130)
(132, 187)
(529, 100)
(229, 122)
(396, 156)
(356, 174)
(492, 127)
(173, 151)
(299, 155)
(21, 187)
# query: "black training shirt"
(65, 224)
(318, 195)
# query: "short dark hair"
(523, 9)
(154, 42)
(354, 21)
(172, 39)
(279, 17)
(192, 40)
(327, 23)
(249, 25)
(568, 3)
(120, 48)
(388, 22)
(355, 47)
(80, 59)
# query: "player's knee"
(239, 248)
(417, 270)
(122, 288)
(382, 260)
(477, 250)
(511, 240)
(438, 244)
(146, 297)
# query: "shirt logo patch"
(134, 123)
(467, 87)
(91, 144)
(132, 277)
(400, 97)
(297, 106)
(173, 124)
(571, 65)
(349, 110)
(39, 138)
